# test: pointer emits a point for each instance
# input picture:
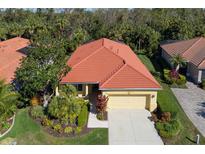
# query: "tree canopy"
(43, 68)
(142, 29)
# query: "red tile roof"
(10, 57)
(192, 50)
(111, 64)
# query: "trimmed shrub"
(46, 122)
(168, 129)
(68, 130)
(37, 112)
(57, 128)
(83, 116)
(77, 130)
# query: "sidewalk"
(93, 122)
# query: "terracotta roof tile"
(10, 57)
(178, 47)
(99, 61)
(192, 50)
(128, 77)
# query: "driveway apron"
(132, 127)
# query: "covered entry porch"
(86, 89)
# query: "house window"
(79, 87)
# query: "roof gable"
(94, 68)
(128, 77)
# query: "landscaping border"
(2, 135)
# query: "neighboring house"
(114, 69)
(193, 51)
(11, 52)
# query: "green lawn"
(168, 102)
(27, 131)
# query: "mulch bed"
(54, 133)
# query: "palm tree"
(8, 100)
(178, 61)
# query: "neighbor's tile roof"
(192, 50)
(10, 57)
(109, 63)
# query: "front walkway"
(192, 100)
(93, 122)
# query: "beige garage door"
(127, 102)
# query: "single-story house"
(113, 69)
(193, 51)
(11, 52)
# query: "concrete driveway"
(128, 126)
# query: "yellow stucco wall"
(141, 99)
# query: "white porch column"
(86, 90)
(199, 76)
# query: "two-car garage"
(131, 100)
(127, 102)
